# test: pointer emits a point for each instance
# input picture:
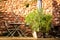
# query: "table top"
(16, 23)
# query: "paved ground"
(20, 38)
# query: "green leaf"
(39, 20)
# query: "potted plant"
(38, 20)
(45, 22)
(31, 19)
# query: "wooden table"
(16, 29)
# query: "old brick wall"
(47, 5)
(19, 6)
(10, 9)
(14, 8)
(56, 12)
(52, 7)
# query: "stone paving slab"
(27, 38)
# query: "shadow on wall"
(56, 13)
(55, 30)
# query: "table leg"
(22, 33)
(16, 30)
(10, 33)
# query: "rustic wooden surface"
(27, 38)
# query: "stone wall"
(20, 7)
(11, 9)
(56, 12)
(47, 5)
(52, 7)
(23, 7)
